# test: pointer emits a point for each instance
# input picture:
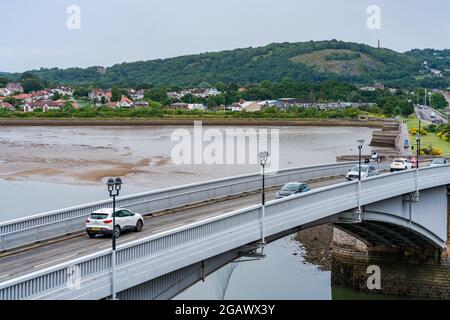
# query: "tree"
(56, 96)
(3, 82)
(158, 94)
(31, 84)
(116, 94)
(438, 101)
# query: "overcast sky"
(35, 34)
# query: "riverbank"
(154, 122)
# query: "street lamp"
(114, 186)
(418, 149)
(263, 156)
(360, 146)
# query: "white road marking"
(53, 261)
(4, 276)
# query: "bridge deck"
(32, 258)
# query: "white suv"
(401, 164)
(101, 222)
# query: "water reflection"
(283, 274)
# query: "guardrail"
(156, 255)
(40, 227)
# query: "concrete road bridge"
(198, 228)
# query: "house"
(204, 93)
(125, 102)
(41, 95)
(179, 105)
(285, 103)
(14, 87)
(6, 105)
(211, 92)
(100, 95)
(251, 106)
(173, 95)
(140, 104)
(5, 92)
(379, 86)
(137, 95)
(44, 105)
(447, 97)
(197, 106)
(27, 97)
(199, 93)
(436, 72)
(268, 103)
(368, 89)
(235, 107)
(63, 91)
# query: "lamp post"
(418, 149)
(263, 157)
(360, 146)
(114, 186)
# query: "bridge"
(198, 228)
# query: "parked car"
(438, 162)
(401, 164)
(367, 170)
(101, 222)
(292, 188)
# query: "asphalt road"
(425, 114)
(40, 256)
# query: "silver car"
(367, 170)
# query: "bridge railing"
(56, 223)
(148, 258)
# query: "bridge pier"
(406, 271)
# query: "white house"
(44, 105)
(196, 106)
(137, 95)
(125, 102)
(5, 92)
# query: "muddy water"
(46, 168)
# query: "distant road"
(424, 113)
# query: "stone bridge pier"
(405, 270)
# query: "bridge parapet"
(40, 227)
(151, 257)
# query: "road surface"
(35, 257)
(424, 113)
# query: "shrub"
(414, 131)
(436, 152)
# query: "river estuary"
(45, 168)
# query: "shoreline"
(188, 122)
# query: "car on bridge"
(438, 162)
(401, 164)
(367, 170)
(101, 222)
(292, 188)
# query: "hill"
(306, 61)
